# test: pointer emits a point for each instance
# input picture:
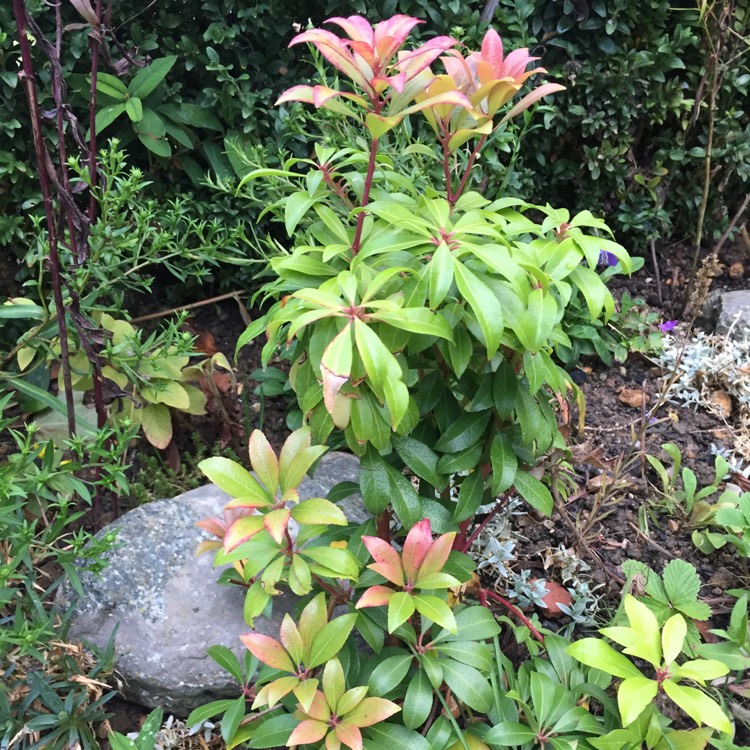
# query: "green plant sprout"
(642, 639)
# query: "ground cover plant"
(444, 337)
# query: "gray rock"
(165, 602)
(727, 311)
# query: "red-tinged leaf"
(349, 735)
(276, 522)
(452, 98)
(214, 526)
(263, 460)
(319, 709)
(268, 651)
(378, 125)
(307, 732)
(247, 502)
(530, 98)
(375, 596)
(385, 555)
(207, 547)
(336, 365)
(86, 10)
(292, 640)
(417, 545)
(242, 530)
(371, 711)
(437, 555)
(394, 575)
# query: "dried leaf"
(633, 397)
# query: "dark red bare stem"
(44, 165)
(95, 39)
(459, 543)
(482, 526)
(365, 195)
(469, 166)
(485, 594)
(445, 140)
(384, 526)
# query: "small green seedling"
(643, 640)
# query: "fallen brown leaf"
(633, 397)
(721, 403)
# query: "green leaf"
(465, 432)
(374, 481)
(440, 275)
(385, 736)
(107, 115)
(477, 655)
(505, 389)
(316, 511)
(203, 713)
(192, 115)
(134, 109)
(380, 364)
(157, 425)
(22, 311)
(227, 660)
(484, 305)
(234, 479)
(111, 86)
(681, 582)
(151, 131)
(389, 674)
(534, 492)
(633, 696)
(504, 463)
(147, 79)
(404, 498)
(232, 718)
(297, 205)
(535, 326)
(596, 653)
(420, 458)
(535, 371)
(274, 732)
(331, 639)
(469, 496)
(436, 610)
(510, 733)
(468, 685)
(698, 706)
(400, 609)
(340, 562)
(418, 701)
(474, 623)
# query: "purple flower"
(668, 326)
(607, 259)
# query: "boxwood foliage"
(627, 139)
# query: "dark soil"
(603, 536)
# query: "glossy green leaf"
(484, 305)
(374, 482)
(534, 492)
(436, 610)
(400, 609)
(504, 463)
(420, 458)
(470, 496)
(594, 652)
(331, 639)
(148, 78)
(465, 432)
(418, 701)
(698, 706)
(134, 109)
(510, 733)
(389, 674)
(107, 115)
(468, 685)
(229, 476)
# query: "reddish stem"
(44, 164)
(469, 165)
(482, 526)
(485, 594)
(384, 526)
(365, 195)
(94, 42)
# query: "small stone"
(736, 270)
(721, 403)
(555, 596)
(255, 406)
(633, 397)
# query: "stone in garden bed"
(165, 602)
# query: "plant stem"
(44, 166)
(485, 594)
(95, 37)
(469, 166)
(365, 195)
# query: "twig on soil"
(657, 274)
(651, 542)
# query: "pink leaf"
(307, 732)
(384, 554)
(269, 651)
(242, 530)
(375, 596)
(349, 735)
(530, 98)
(319, 708)
(275, 522)
(437, 555)
(213, 526)
(416, 546)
